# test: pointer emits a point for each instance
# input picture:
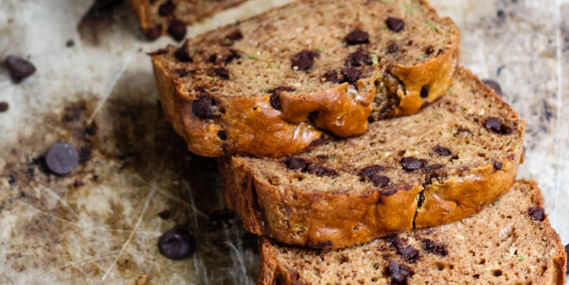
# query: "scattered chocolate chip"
(296, 163)
(61, 158)
(537, 213)
(410, 163)
(275, 99)
(379, 180)
(441, 51)
(183, 54)
(392, 48)
(4, 107)
(351, 74)
(234, 36)
(203, 107)
(70, 43)
(434, 248)
(497, 165)
(181, 72)
(223, 218)
(164, 215)
(409, 254)
(357, 37)
(395, 24)
(368, 171)
(442, 150)
(493, 124)
(398, 272)
(222, 135)
(371, 172)
(233, 55)
(493, 85)
(425, 91)
(359, 58)
(221, 72)
(213, 58)
(331, 76)
(320, 170)
(153, 33)
(19, 68)
(167, 9)
(429, 50)
(177, 29)
(304, 60)
(177, 244)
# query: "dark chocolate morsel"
(442, 150)
(153, 33)
(296, 163)
(410, 163)
(497, 165)
(19, 68)
(177, 29)
(303, 60)
(203, 107)
(537, 213)
(164, 215)
(357, 37)
(395, 24)
(182, 54)
(177, 244)
(434, 248)
(351, 74)
(61, 158)
(4, 107)
(167, 9)
(398, 272)
(493, 124)
(493, 85)
(392, 48)
(425, 91)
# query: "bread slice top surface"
(455, 134)
(299, 46)
(510, 242)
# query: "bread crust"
(254, 128)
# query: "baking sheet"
(100, 224)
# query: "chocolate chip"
(379, 180)
(351, 74)
(493, 85)
(304, 60)
(410, 163)
(441, 51)
(493, 124)
(181, 72)
(409, 254)
(177, 29)
(398, 272)
(222, 135)
(153, 33)
(203, 107)
(221, 72)
(371, 172)
(177, 244)
(359, 57)
(425, 91)
(392, 48)
(19, 68)
(537, 213)
(233, 55)
(61, 158)
(395, 24)
(429, 50)
(3, 107)
(296, 163)
(275, 99)
(434, 248)
(70, 43)
(164, 215)
(223, 218)
(182, 54)
(497, 165)
(234, 36)
(368, 171)
(167, 9)
(320, 170)
(331, 76)
(442, 150)
(357, 37)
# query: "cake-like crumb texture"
(298, 76)
(438, 166)
(504, 244)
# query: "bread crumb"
(141, 279)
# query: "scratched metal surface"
(99, 224)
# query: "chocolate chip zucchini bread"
(158, 17)
(510, 242)
(438, 166)
(298, 76)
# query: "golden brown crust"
(253, 127)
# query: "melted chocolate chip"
(357, 37)
(493, 124)
(296, 163)
(537, 213)
(410, 163)
(221, 72)
(408, 253)
(442, 150)
(61, 158)
(303, 60)
(164, 215)
(380, 180)
(359, 58)
(429, 50)
(395, 24)
(392, 48)
(331, 76)
(223, 218)
(203, 107)
(182, 54)
(177, 244)
(368, 171)
(3, 107)
(153, 33)
(425, 91)
(167, 9)
(181, 72)
(177, 29)
(351, 74)
(234, 36)
(320, 170)
(493, 85)
(497, 165)
(275, 99)
(434, 248)
(222, 135)
(19, 68)
(398, 272)
(371, 172)
(233, 55)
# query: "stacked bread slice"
(348, 139)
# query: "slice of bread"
(510, 242)
(438, 166)
(280, 83)
(158, 17)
